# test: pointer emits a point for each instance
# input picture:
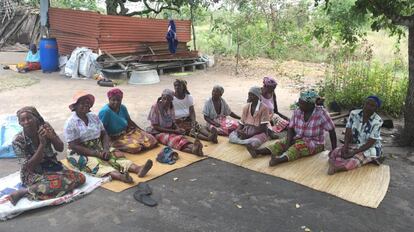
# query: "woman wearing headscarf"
(88, 144)
(278, 121)
(362, 139)
(32, 59)
(43, 176)
(124, 133)
(185, 116)
(254, 121)
(305, 134)
(166, 130)
(216, 112)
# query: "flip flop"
(142, 196)
(144, 188)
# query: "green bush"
(349, 83)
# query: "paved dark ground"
(209, 203)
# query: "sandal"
(145, 169)
(142, 196)
(198, 148)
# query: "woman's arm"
(38, 155)
(132, 124)
(77, 147)
(332, 137)
(233, 115)
(179, 131)
(364, 147)
(211, 121)
(47, 131)
(192, 114)
(290, 136)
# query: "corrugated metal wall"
(113, 34)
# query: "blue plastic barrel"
(49, 56)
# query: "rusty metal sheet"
(114, 34)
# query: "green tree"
(117, 7)
(396, 16)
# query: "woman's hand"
(47, 131)
(180, 131)
(119, 154)
(347, 153)
(42, 140)
(242, 135)
(104, 155)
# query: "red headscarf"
(115, 92)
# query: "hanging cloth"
(172, 37)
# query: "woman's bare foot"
(272, 134)
(252, 151)
(198, 148)
(213, 135)
(277, 160)
(16, 196)
(124, 177)
(145, 169)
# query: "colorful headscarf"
(184, 83)
(115, 92)
(256, 91)
(309, 96)
(219, 88)
(79, 95)
(376, 99)
(168, 92)
(33, 111)
(269, 81)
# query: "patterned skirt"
(94, 165)
(54, 184)
(227, 125)
(255, 140)
(134, 141)
(298, 150)
(335, 158)
(178, 142)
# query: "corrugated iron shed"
(113, 34)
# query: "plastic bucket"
(49, 56)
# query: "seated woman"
(305, 134)
(278, 121)
(43, 176)
(215, 113)
(185, 116)
(32, 60)
(89, 144)
(252, 130)
(125, 135)
(362, 139)
(166, 131)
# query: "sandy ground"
(207, 204)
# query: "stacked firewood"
(21, 26)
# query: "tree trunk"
(192, 27)
(409, 100)
(111, 6)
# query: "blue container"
(49, 57)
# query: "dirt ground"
(268, 202)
